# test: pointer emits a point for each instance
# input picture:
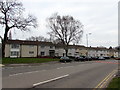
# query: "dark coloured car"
(94, 58)
(88, 58)
(80, 58)
(107, 57)
(65, 59)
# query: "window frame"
(31, 52)
(15, 46)
(14, 53)
(42, 53)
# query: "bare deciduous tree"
(41, 38)
(11, 16)
(66, 29)
(36, 38)
(117, 48)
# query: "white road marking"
(65, 67)
(68, 66)
(18, 67)
(36, 84)
(15, 74)
(60, 67)
(11, 67)
(35, 71)
(62, 63)
(26, 73)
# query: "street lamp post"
(87, 37)
(87, 42)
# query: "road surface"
(88, 74)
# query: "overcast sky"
(99, 17)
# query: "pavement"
(88, 74)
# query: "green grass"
(114, 84)
(26, 60)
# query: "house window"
(42, 53)
(31, 52)
(14, 53)
(70, 54)
(51, 47)
(31, 46)
(15, 46)
(75, 54)
(101, 54)
(42, 46)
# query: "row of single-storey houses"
(23, 48)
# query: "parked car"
(107, 57)
(88, 58)
(117, 58)
(65, 59)
(101, 58)
(80, 58)
(94, 58)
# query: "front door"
(52, 53)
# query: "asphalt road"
(87, 74)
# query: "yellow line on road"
(100, 85)
(103, 80)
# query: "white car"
(101, 58)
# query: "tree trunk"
(4, 41)
(66, 52)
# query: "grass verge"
(26, 60)
(114, 84)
